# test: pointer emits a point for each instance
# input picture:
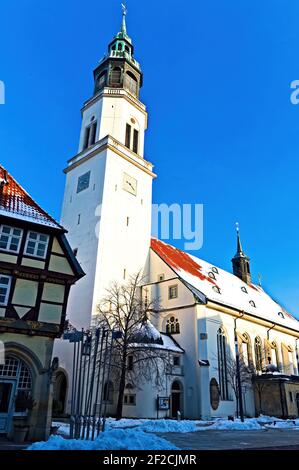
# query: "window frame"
(176, 287)
(127, 397)
(8, 286)
(10, 236)
(37, 241)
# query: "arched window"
(120, 46)
(245, 349)
(272, 353)
(287, 359)
(131, 83)
(173, 326)
(115, 76)
(108, 392)
(222, 363)
(258, 352)
(16, 370)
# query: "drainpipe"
(297, 355)
(238, 368)
(268, 331)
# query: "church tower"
(108, 192)
(241, 262)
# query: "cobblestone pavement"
(276, 439)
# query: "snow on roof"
(17, 203)
(223, 287)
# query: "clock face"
(130, 184)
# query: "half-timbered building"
(37, 270)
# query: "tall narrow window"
(222, 363)
(92, 137)
(258, 354)
(135, 141)
(115, 76)
(86, 137)
(128, 136)
(5, 282)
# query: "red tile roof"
(16, 202)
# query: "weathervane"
(125, 11)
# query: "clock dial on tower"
(130, 184)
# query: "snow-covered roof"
(17, 203)
(223, 287)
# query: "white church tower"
(108, 193)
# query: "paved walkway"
(224, 440)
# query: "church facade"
(212, 316)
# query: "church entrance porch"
(176, 399)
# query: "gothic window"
(10, 238)
(108, 392)
(5, 282)
(115, 76)
(36, 244)
(272, 354)
(131, 83)
(173, 326)
(173, 292)
(245, 349)
(258, 351)
(222, 363)
(287, 359)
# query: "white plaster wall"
(112, 113)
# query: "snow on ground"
(113, 439)
(185, 426)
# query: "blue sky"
(222, 130)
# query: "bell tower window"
(131, 83)
(128, 136)
(115, 76)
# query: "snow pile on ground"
(289, 424)
(116, 439)
(237, 425)
(168, 425)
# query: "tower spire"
(123, 23)
(241, 262)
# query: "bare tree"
(245, 372)
(137, 353)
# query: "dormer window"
(216, 289)
(36, 244)
(252, 303)
(10, 238)
(281, 315)
(243, 289)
